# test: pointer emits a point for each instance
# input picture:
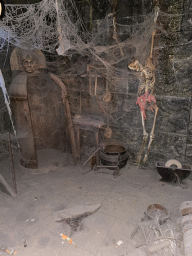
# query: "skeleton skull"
(30, 64)
(135, 65)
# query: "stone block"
(170, 143)
(76, 212)
(173, 115)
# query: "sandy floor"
(27, 222)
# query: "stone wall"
(173, 131)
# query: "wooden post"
(91, 156)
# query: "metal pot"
(114, 153)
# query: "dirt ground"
(27, 221)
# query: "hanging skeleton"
(145, 98)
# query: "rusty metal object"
(186, 208)
(114, 153)
(173, 173)
(186, 211)
(157, 210)
(94, 164)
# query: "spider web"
(55, 27)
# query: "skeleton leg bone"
(145, 137)
(151, 136)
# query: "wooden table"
(88, 123)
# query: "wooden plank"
(68, 116)
(3, 181)
(91, 156)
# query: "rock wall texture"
(173, 87)
(173, 131)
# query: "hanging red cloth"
(142, 101)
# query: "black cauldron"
(114, 154)
(173, 173)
